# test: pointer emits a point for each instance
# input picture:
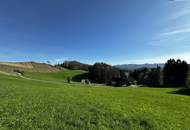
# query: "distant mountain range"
(138, 66)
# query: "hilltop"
(10, 67)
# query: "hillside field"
(10, 67)
(45, 101)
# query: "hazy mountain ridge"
(138, 66)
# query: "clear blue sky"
(113, 31)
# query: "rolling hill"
(42, 101)
(10, 67)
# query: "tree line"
(75, 65)
(174, 74)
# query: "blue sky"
(113, 31)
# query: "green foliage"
(102, 73)
(188, 78)
(175, 73)
(75, 65)
(149, 77)
(32, 104)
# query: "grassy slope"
(10, 67)
(27, 104)
(56, 76)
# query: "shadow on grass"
(78, 78)
(184, 91)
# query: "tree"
(102, 73)
(154, 78)
(175, 73)
(75, 65)
(147, 76)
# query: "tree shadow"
(78, 78)
(184, 91)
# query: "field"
(44, 101)
(10, 67)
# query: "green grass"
(36, 105)
(56, 76)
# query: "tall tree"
(75, 65)
(147, 76)
(175, 73)
(102, 73)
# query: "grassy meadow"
(44, 101)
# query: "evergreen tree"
(175, 73)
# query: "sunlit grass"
(28, 104)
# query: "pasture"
(45, 101)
